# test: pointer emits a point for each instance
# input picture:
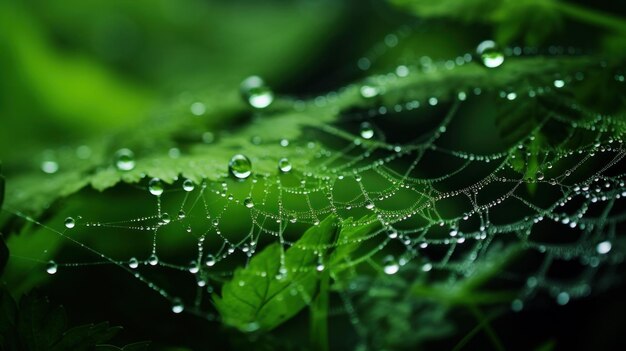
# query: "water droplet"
(427, 267)
(284, 165)
(165, 218)
(320, 267)
(490, 54)
(153, 260)
(256, 93)
(392, 233)
(124, 160)
(517, 305)
(70, 223)
(51, 267)
(193, 267)
(559, 83)
(368, 91)
(248, 202)
(369, 205)
(562, 298)
(49, 166)
(133, 263)
(240, 166)
(155, 186)
(390, 265)
(197, 108)
(177, 305)
(540, 175)
(210, 260)
(181, 214)
(367, 132)
(188, 185)
(604, 247)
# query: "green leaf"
(39, 324)
(256, 299)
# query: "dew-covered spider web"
(457, 173)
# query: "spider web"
(453, 185)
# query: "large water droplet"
(70, 223)
(367, 132)
(51, 267)
(155, 186)
(390, 265)
(240, 166)
(188, 185)
(284, 165)
(177, 305)
(124, 160)
(490, 54)
(256, 93)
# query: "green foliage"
(35, 324)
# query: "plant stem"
(319, 315)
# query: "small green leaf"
(256, 299)
(84, 337)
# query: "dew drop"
(367, 132)
(188, 185)
(197, 108)
(177, 306)
(369, 205)
(248, 202)
(165, 218)
(540, 175)
(133, 263)
(240, 166)
(153, 260)
(256, 93)
(193, 267)
(490, 54)
(124, 160)
(70, 223)
(604, 247)
(155, 186)
(181, 214)
(391, 266)
(284, 165)
(51, 267)
(49, 166)
(210, 260)
(517, 305)
(392, 233)
(562, 298)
